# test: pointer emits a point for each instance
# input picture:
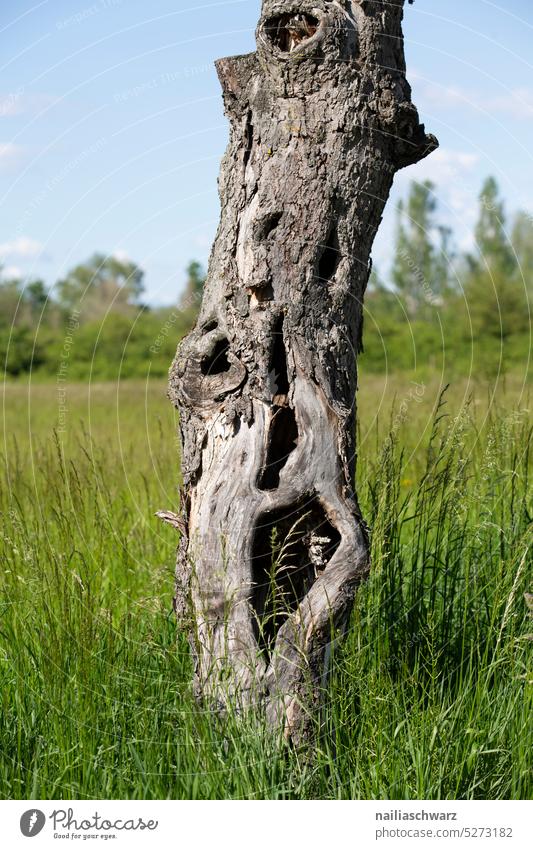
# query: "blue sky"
(112, 130)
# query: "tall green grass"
(431, 693)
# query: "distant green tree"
(36, 296)
(10, 302)
(495, 294)
(494, 250)
(445, 257)
(102, 284)
(20, 309)
(497, 305)
(194, 287)
(19, 350)
(420, 267)
(381, 301)
(522, 241)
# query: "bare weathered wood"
(273, 545)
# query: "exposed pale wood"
(320, 120)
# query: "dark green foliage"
(19, 352)
(21, 310)
(96, 327)
(421, 264)
(194, 287)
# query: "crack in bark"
(282, 440)
(248, 140)
(278, 363)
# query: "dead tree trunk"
(273, 544)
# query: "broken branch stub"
(320, 120)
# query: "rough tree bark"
(273, 545)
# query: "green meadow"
(431, 693)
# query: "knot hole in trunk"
(291, 548)
(216, 362)
(286, 32)
(330, 257)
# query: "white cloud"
(121, 256)
(22, 247)
(456, 188)
(11, 272)
(10, 105)
(443, 166)
(517, 102)
(18, 103)
(203, 241)
(453, 173)
(10, 156)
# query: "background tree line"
(100, 305)
(438, 309)
(462, 313)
